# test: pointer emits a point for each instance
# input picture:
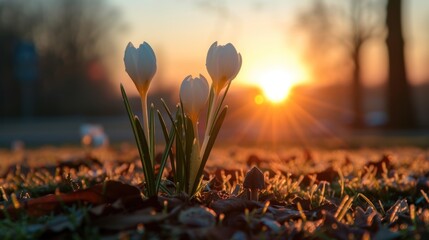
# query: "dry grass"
(311, 193)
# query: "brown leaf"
(272, 225)
(339, 230)
(106, 192)
(327, 175)
(386, 234)
(219, 233)
(367, 218)
(233, 205)
(198, 217)
(130, 220)
(401, 206)
(285, 214)
(384, 162)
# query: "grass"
(310, 193)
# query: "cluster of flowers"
(223, 63)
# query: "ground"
(75, 193)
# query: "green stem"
(210, 122)
(195, 128)
(145, 117)
(195, 157)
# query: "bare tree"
(400, 108)
(316, 28)
(364, 25)
(333, 27)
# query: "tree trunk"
(400, 109)
(358, 118)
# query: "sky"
(181, 31)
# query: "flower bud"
(223, 64)
(194, 93)
(140, 64)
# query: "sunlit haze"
(182, 31)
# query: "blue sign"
(26, 62)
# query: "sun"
(276, 83)
(275, 72)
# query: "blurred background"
(337, 72)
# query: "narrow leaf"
(164, 159)
(212, 139)
(141, 144)
(145, 157)
(166, 138)
(167, 110)
(190, 136)
(152, 149)
(211, 97)
(165, 189)
(174, 123)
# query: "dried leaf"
(124, 221)
(106, 192)
(233, 205)
(198, 217)
(386, 234)
(274, 226)
(339, 230)
(401, 206)
(367, 218)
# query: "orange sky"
(182, 31)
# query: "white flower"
(194, 93)
(140, 64)
(223, 64)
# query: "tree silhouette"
(400, 108)
(330, 27)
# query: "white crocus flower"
(194, 93)
(223, 64)
(140, 64)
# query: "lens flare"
(277, 83)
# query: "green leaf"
(174, 123)
(165, 189)
(167, 109)
(152, 149)
(141, 145)
(166, 138)
(220, 105)
(179, 174)
(189, 146)
(182, 111)
(145, 157)
(211, 97)
(180, 153)
(164, 158)
(212, 139)
(128, 108)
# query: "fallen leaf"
(106, 192)
(367, 218)
(400, 206)
(125, 221)
(339, 230)
(233, 205)
(198, 217)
